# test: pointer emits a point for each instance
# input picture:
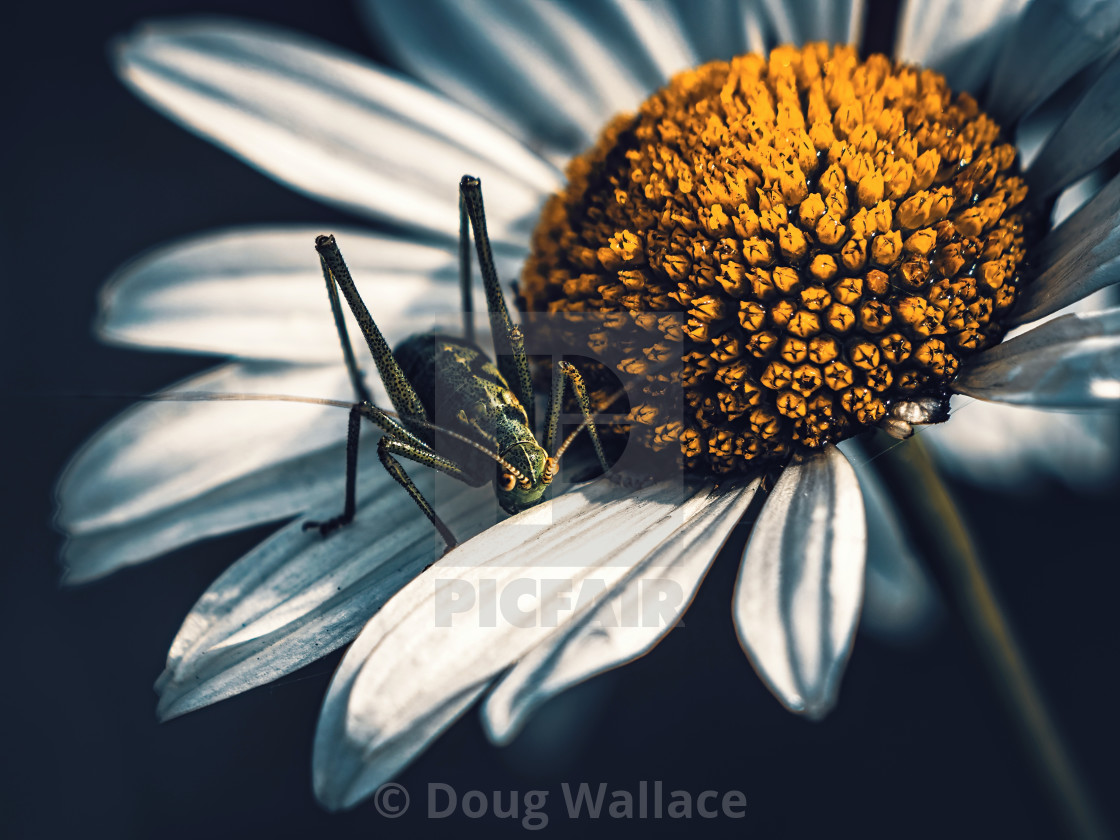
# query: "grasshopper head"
(525, 484)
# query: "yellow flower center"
(839, 234)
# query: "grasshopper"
(489, 434)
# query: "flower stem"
(940, 533)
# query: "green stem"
(940, 533)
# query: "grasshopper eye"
(506, 481)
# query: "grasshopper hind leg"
(397, 440)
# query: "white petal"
(1051, 41)
(899, 603)
(1011, 447)
(297, 596)
(342, 776)
(627, 623)
(1033, 129)
(550, 73)
(333, 126)
(798, 595)
(650, 34)
(1076, 196)
(1070, 362)
(268, 495)
(422, 660)
(721, 29)
(159, 455)
(801, 21)
(959, 38)
(1076, 259)
(1089, 134)
(259, 293)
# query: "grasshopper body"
(462, 389)
(456, 411)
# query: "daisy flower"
(511, 93)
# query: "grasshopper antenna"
(218, 396)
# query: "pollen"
(820, 236)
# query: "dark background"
(917, 748)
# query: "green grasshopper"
(489, 435)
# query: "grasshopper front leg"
(566, 370)
(387, 447)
